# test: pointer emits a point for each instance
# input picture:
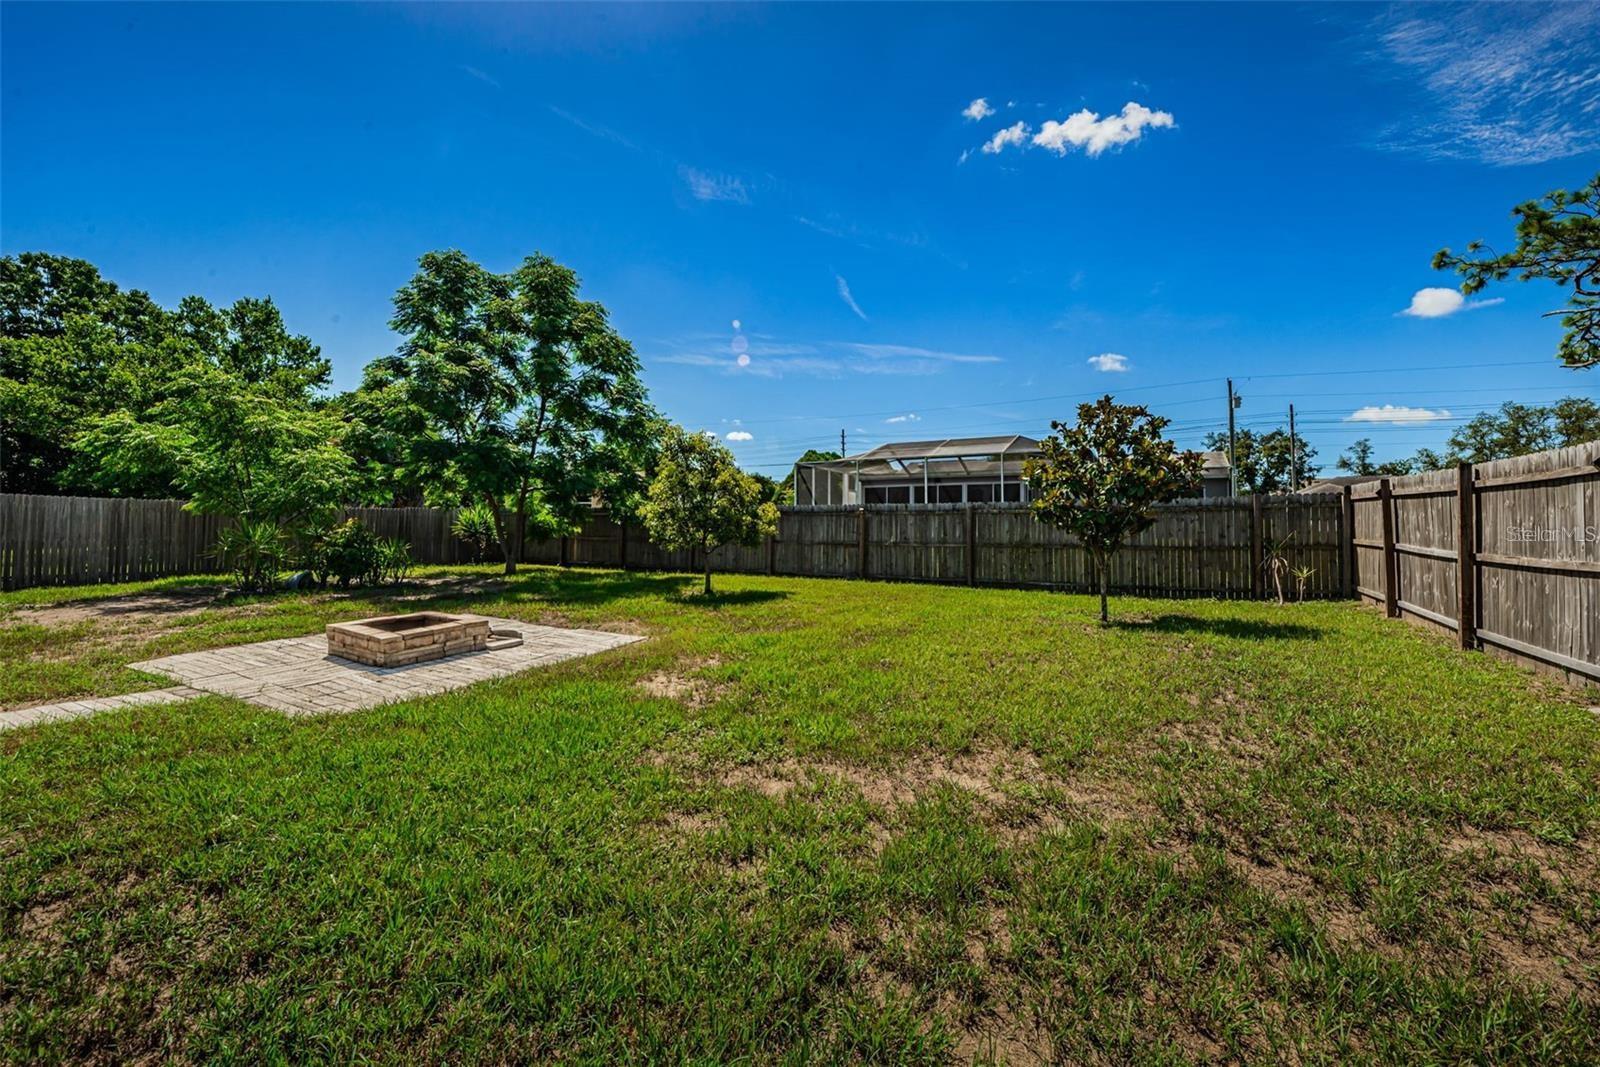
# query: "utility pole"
(1294, 455)
(842, 452)
(1233, 470)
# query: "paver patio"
(297, 676)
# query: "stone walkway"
(296, 675)
(77, 709)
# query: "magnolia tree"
(700, 498)
(1101, 479)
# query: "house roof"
(1335, 485)
(967, 455)
(949, 448)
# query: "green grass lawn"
(806, 820)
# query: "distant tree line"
(1514, 430)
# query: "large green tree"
(1101, 478)
(1268, 462)
(700, 499)
(507, 389)
(1558, 239)
(231, 447)
(76, 351)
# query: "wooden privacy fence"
(1195, 548)
(74, 540)
(1506, 554)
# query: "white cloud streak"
(909, 416)
(850, 301)
(822, 359)
(740, 435)
(913, 352)
(1396, 414)
(1509, 84)
(704, 185)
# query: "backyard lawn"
(804, 820)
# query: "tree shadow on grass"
(694, 597)
(597, 588)
(1245, 629)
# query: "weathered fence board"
(1525, 579)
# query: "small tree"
(1101, 479)
(1557, 238)
(701, 499)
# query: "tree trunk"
(501, 531)
(1100, 570)
(705, 555)
(519, 533)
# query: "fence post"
(1466, 570)
(622, 546)
(1391, 560)
(1347, 546)
(1257, 548)
(972, 547)
(861, 540)
(772, 554)
(561, 551)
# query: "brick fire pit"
(398, 640)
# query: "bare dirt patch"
(136, 608)
(1013, 792)
(40, 921)
(684, 684)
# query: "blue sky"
(1243, 190)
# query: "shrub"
(394, 559)
(350, 553)
(474, 524)
(254, 551)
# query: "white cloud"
(740, 435)
(850, 301)
(1087, 130)
(482, 76)
(1396, 414)
(909, 416)
(913, 352)
(736, 325)
(1435, 303)
(706, 186)
(1109, 361)
(1016, 134)
(822, 359)
(1507, 84)
(978, 109)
